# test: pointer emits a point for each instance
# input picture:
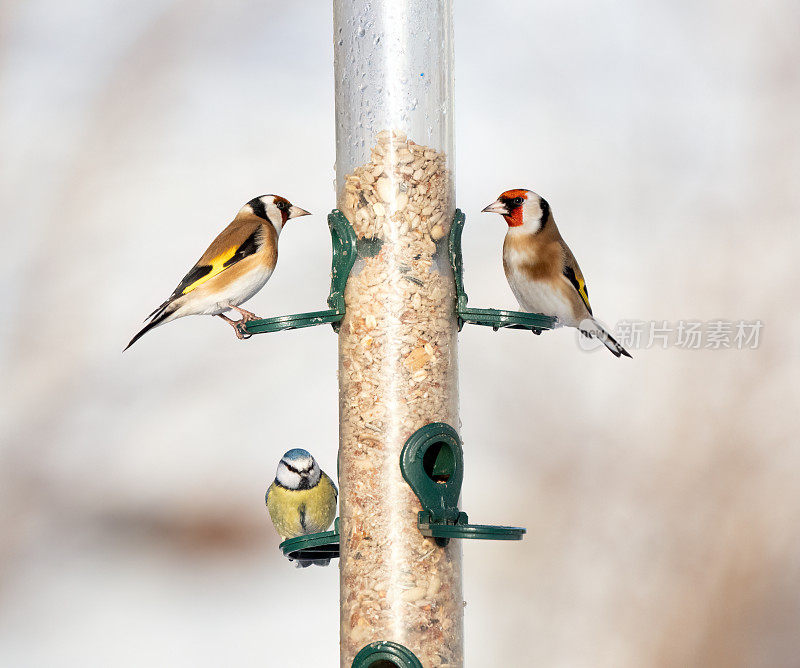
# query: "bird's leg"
(238, 326)
(246, 315)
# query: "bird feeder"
(397, 300)
(393, 64)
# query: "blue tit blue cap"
(297, 453)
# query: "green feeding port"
(432, 463)
(386, 654)
(488, 317)
(343, 239)
(438, 461)
(315, 547)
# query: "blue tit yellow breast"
(296, 512)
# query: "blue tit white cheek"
(314, 475)
(287, 478)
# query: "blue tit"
(302, 499)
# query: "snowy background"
(660, 493)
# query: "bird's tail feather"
(158, 311)
(598, 331)
(158, 317)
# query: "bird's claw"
(241, 330)
(247, 316)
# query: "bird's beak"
(496, 207)
(296, 212)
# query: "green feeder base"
(343, 239)
(385, 653)
(488, 317)
(320, 547)
(432, 463)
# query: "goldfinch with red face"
(540, 268)
(237, 264)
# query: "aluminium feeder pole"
(397, 343)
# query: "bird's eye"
(517, 201)
(282, 205)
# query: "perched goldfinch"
(541, 270)
(237, 264)
(302, 499)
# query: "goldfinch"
(302, 499)
(236, 265)
(540, 268)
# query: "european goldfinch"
(236, 265)
(540, 268)
(302, 499)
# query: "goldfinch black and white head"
(273, 208)
(236, 265)
(540, 268)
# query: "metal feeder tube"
(397, 341)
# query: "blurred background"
(660, 493)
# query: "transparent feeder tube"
(397, 343)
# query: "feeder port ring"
(385, 653)
(432, 463)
